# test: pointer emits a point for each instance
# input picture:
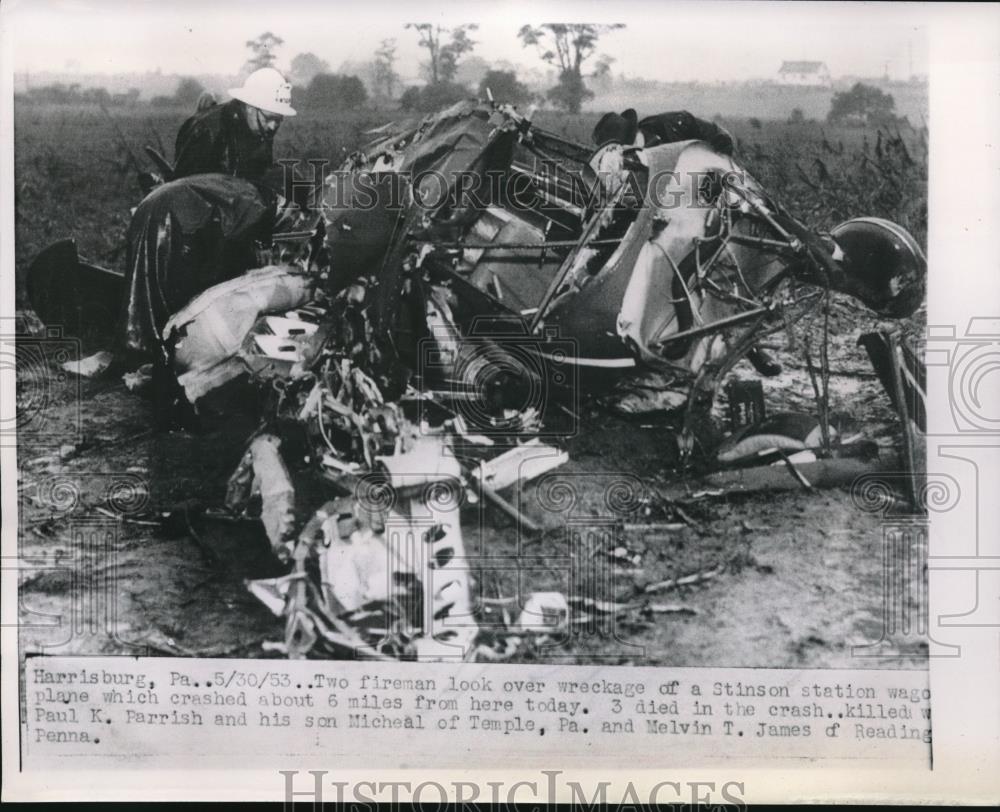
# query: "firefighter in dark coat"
(204, 226)
(237, 137)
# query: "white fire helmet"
(267, 90)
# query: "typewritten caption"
(104, 708)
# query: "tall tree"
(445, 48)
(385, 73)
(567, 46)
(304, 67)
(262, 50)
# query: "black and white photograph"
(422, 349)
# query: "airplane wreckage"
(449, 288)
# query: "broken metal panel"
(81, 298)
(519, 464)
(652, 304)
(456, 140)
(779, 432)
(424, 530)
(390, 577)
(517, 278)
(273, 483)
(362, 214)
(696, 276)
(206, 334)
(881, 346)
(378, 573)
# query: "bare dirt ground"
(796, 577)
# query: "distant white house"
(809, 74)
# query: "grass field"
(74, 176)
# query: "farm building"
(810, 74)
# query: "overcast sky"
(663, 40)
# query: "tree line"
(60, 93)
(569, 48)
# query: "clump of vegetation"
(189, 92)
(827, 176)
(863, 105)
(331, 93)
(432, 97)
(73, 94)
(505, 87)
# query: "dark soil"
(797, 576)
